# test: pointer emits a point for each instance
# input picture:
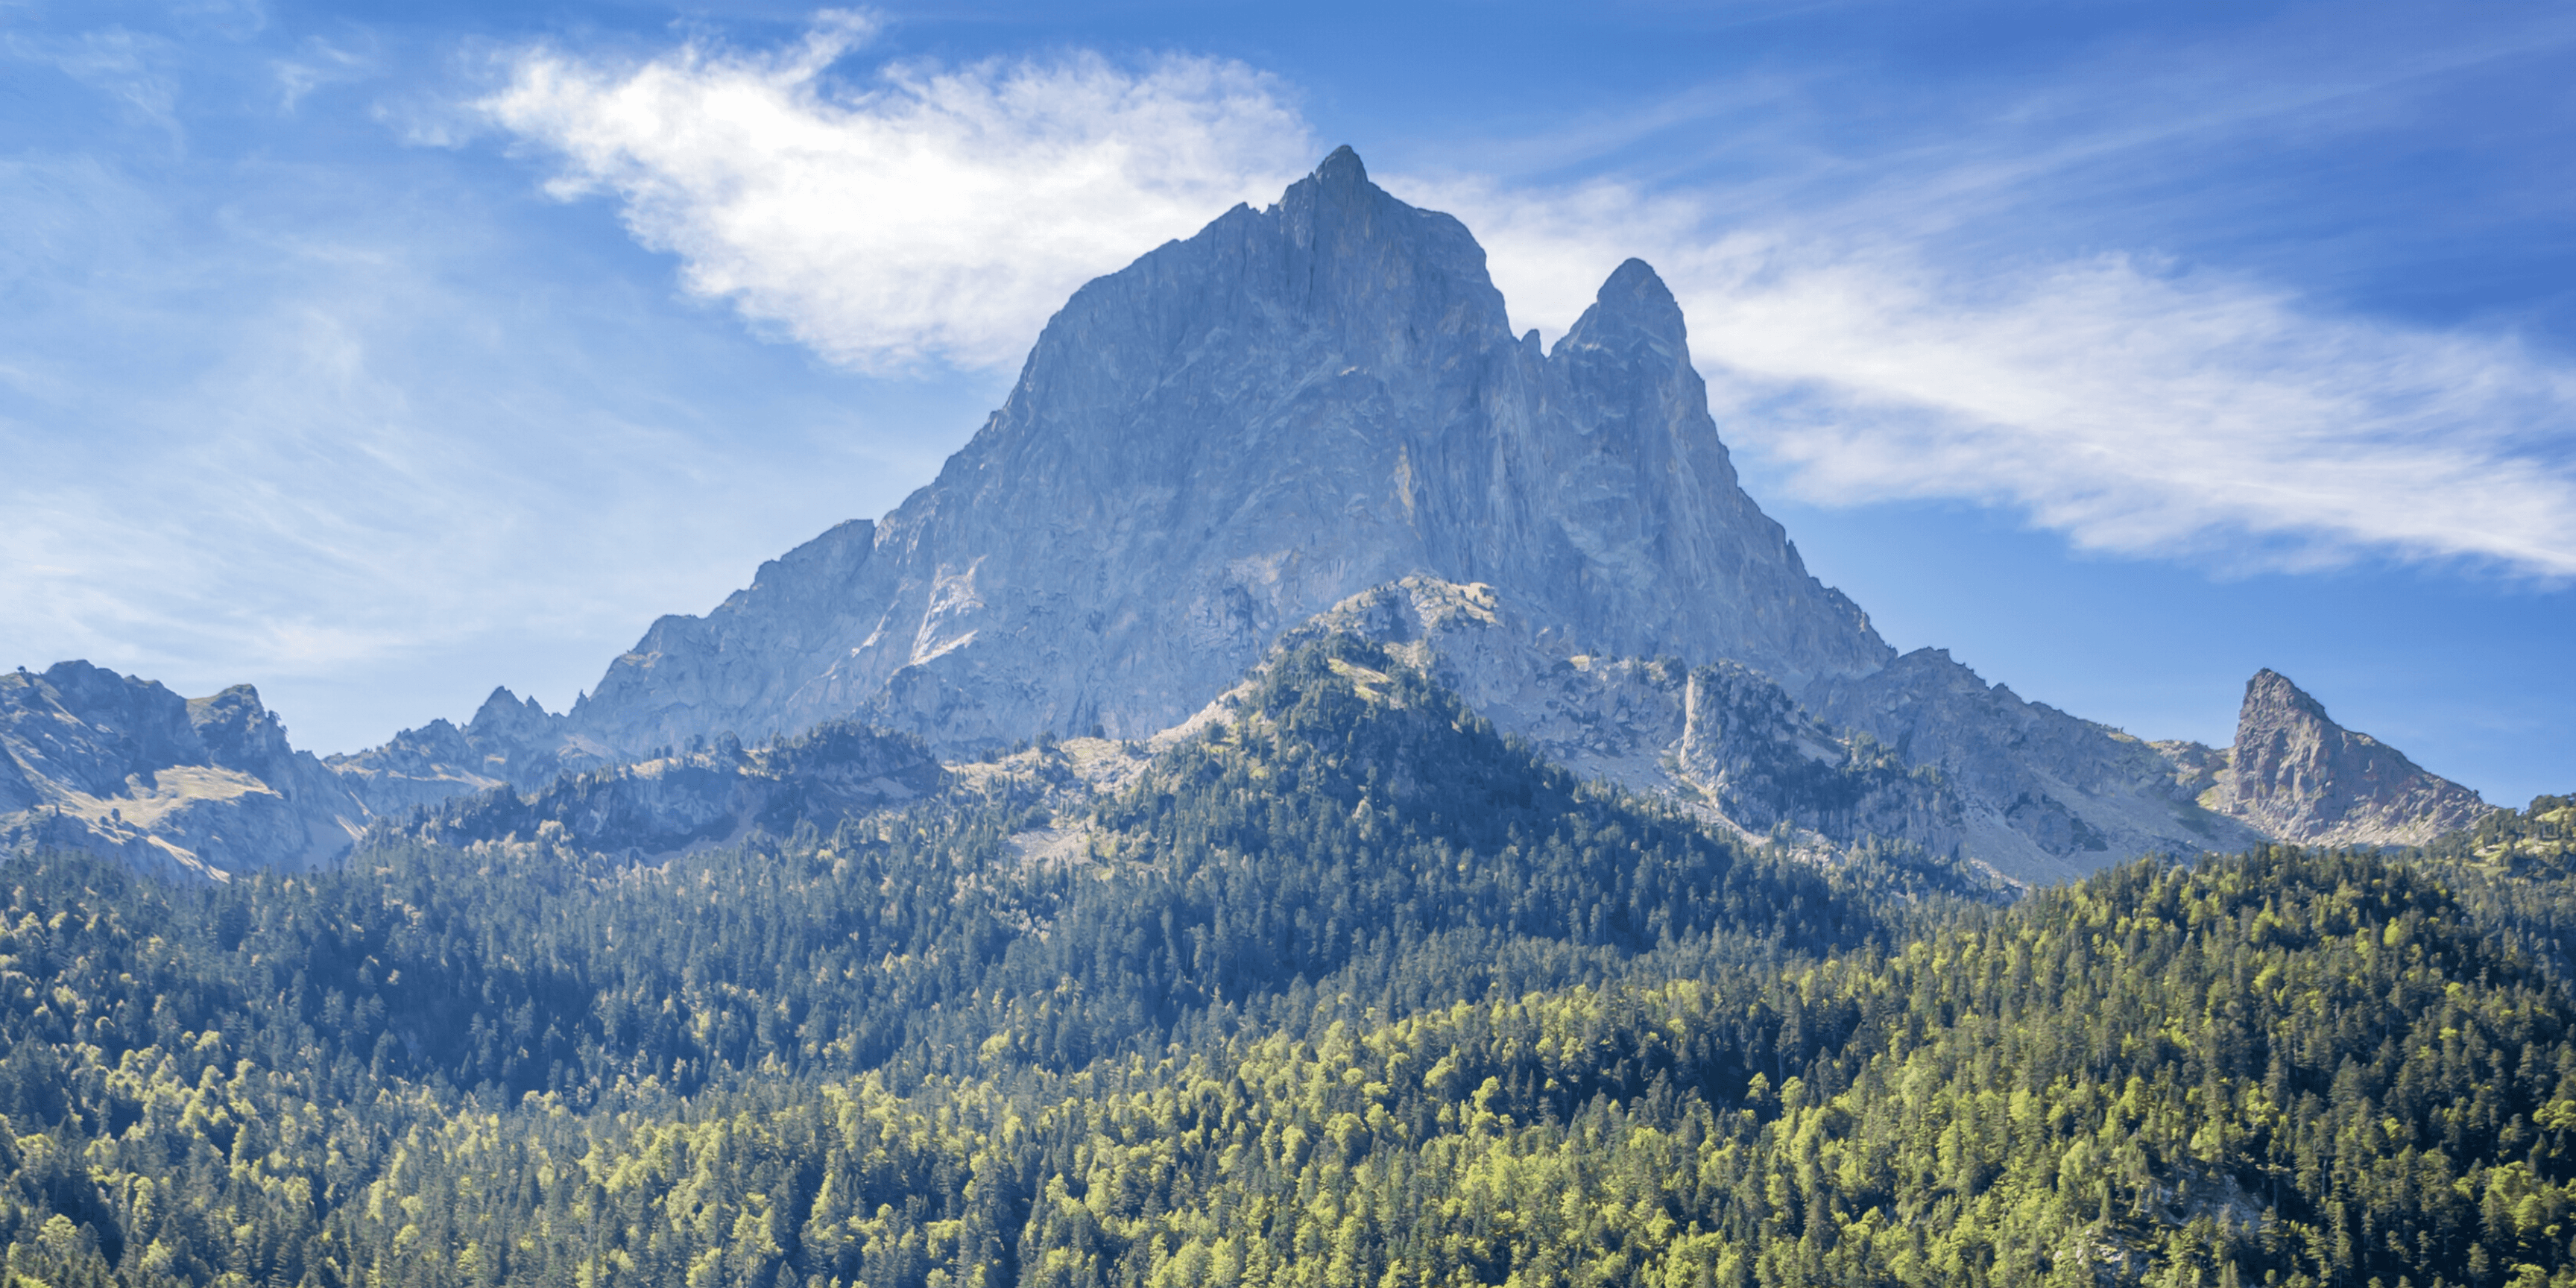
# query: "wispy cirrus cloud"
(132, 68)
(2132, 410)
(921, 211)
(941, 213)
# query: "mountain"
(1321, 399)
(2298, 776)
(1227, 437)
(202, 787)
(1315, 416)
(1920, 751)
(206, 788)
(649, 810)
(511, 741)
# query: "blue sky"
(379, 354)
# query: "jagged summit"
(2299, 776)
(1229, 436)
(2270, 695)
(1311, 412)
(1342, 169)
(1633, 309)
(204, 786)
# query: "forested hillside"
(1347, 990)
(2517, 870)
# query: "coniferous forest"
(1346, 990)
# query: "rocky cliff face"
(510, 742)
(2046, 796)
(202, 788)
(1921, 751)
(650, 809)
(1313, 416)
(2297, 776)
(1228, 437)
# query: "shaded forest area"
(1349, 991)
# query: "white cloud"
(942, 213)
(928, 212)
(415, 459)
(318, 64)
(2132, 411)
(132, 68)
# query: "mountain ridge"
(1312, 413)
(2299, 776)
(1227, 437)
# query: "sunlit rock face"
(1921, 752)
(2042, 794)
(1229, 436)
(2298, 776)
(1309, 417)
(203, 788)
(511, 741)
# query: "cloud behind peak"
(913, 212)
(917, 211)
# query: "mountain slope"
(650, 810)
(207, 788)
(200, 787)
(1921, 752)
(2298, 776)
(510, 740)
(1228, 437)
(832, 1063)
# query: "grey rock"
(1766, 762)
(200, 788)
(2045, 795)
(1921, 752)
(648, 810)
(1228, 437)
(2300, 777)
(510, 741)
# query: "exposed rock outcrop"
(510, 741)
(2296, 775)
(646, 810)
(2047, 796)
(1228, 437)
(204, 788)
(1922, 751)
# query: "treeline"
(1353, 991)
(2516, 869)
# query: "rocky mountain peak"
(1228, 437)
(121, 765)
(2299, 776)
(506, 715)
(2271, 699)
(1633, 310)
(238, 730)
(1343, 170)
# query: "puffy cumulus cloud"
(918, 211)
(2132, 410)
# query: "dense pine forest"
(1346, 990)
